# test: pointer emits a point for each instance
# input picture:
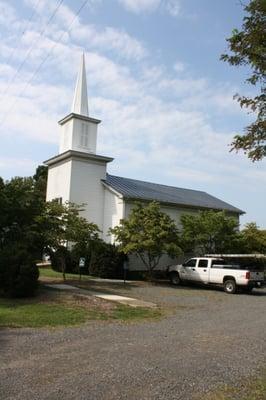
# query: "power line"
(32, 47)
(45, 59)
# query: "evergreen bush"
(106, 261)
(18, 273)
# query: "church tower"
(75, 174)
(78, 130)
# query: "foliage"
(40, 180)
(149, 233)
(18, 272)
(62, 225)
(30, 224)
(248, 47)
(56, 259)
(209, 232)
(253, 239)
(21, 202)
(106, 261)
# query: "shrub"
(18, 273)
(106, 261)
(56, 259)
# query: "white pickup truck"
(217, 271)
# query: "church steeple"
(78, 130)
(80, 100)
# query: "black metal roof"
(140, 190)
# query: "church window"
(84, 139)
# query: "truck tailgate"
(256, 275)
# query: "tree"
(21, 202)
(149, 233)
(60, 225)
(20, 246)
(209, 232)
(248, 47)
(40, 181)
(253, 239)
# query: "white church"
(79, 175)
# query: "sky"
(154, 79)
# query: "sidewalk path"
(106, 296)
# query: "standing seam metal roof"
(140, 190)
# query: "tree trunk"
(63, 267)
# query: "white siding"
(113, 212)
(135, 263)
(173, 212)
(58, 183)
(72, 136)
(86, 187)
(66, 136)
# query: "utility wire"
(32, 47)
(45, 59)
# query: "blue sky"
(154, 79)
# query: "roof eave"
(236, 211)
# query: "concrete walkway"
(105, 296)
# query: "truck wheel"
(230, 286)
(174, 278)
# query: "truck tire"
(174, 278)
(230, 286)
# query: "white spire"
(80, 101)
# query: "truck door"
(188, 270)
(202, 270)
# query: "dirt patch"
(73, 300)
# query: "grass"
(52, 309)
(250, 389)
(50, 273)
(126, 313)
(16, 314)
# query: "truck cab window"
(203, 264)
(190, 263)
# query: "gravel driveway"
(209, 338)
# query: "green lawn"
(50, 273)
(127, 313)
(59, 309)
(14, 313)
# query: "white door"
(202, 272)
(188, 270)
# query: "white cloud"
(111, 39)
(8, 16)
(154, 123)
(179, 66)
(173, 7)
(139, 6)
